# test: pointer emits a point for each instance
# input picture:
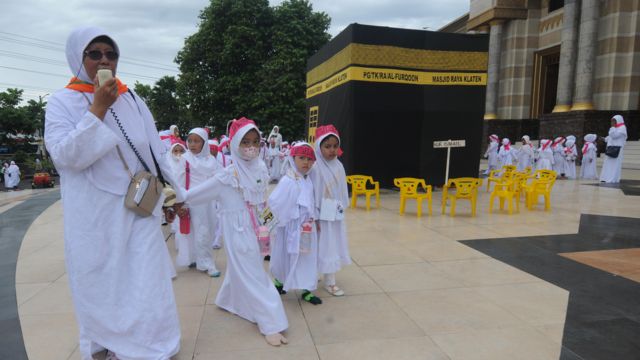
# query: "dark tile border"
(603, 313)
(14, 223)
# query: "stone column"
(566, 76)
(587, 48)
(493, 70)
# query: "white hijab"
(332, 176)
(202, 165)
(77, 42)
(253, 175)
(620, 120)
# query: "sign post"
(448, 144)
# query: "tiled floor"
(435, 287)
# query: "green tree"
(297, 33)
(15, 119)
(248, 59)
(163, 102)
(144, 91)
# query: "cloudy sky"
(150, 33)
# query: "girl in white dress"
(525, 154)
(331, 195)
(506, 154)
(570, 156)
(294, 250)
(559, 162)
(492, 153)
(588, 170)
(545, 156)
(247, 290)
(199, 166)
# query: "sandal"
(279, 286)
(310, 298)
(275, 339)
(334, 290)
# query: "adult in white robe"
(612, 167)
(13, 172)
(292, 203)
(525, 154)
(274, 161)
(275, 133)
(329, 182)
(588, 170)
(492, 153)
(506, 154)
(545, 158)
(570, 156)
(115, 260)
(559, 162)
(247, 290)
(5, 174)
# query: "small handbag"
(612, 151)
(143, 192)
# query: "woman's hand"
(103, 97)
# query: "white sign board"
(449, 143)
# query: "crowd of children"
(301, 222)
(562, 154)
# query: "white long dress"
(492, 155)
(570, 156)
(612, 167)
(333, 245)
(13, 172)
(525, 157)
(559, 161)
(506, 157)
(588, 169)
(292, 203)
(274, 163)
(247, 290)
(116, 260)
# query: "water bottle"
(305, 237)
(264, 239)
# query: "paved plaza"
(532, 285)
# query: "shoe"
(334, 290)
(192, 265)
(216, 247)
(310, 298)
(267, 258)
(276, 339)
(213, 273)
(279, 286)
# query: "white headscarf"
(331, 172)
(590, 137)
(571, 140)
(253, 175)
(173, 157)
(202, 165)
(620, 125)
(77, 42)
(526, 139)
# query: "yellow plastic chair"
(409, 190)
(540, 187)
(359, 187)
(506, 191)
(465, 188)
(500, 175)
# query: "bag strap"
(187, 171)
(126, 167)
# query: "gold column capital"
(490, 116)
(561, 108)
(582, 106)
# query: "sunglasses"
(97, 55)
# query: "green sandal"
(309, 297)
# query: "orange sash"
(83, 86)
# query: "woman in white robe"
(247, 290)
(294, 262)
(570, 156)
(202, 166)
(545, 156)
(492, 153)
(559, 162)
(525, 154)
(330, 187)
(612, 167)
(115, 259)
(5, 174)
(14, 175)
(275, 133)
(506, 154)
(588, 170)
(274, 158)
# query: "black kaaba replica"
(392, 92)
